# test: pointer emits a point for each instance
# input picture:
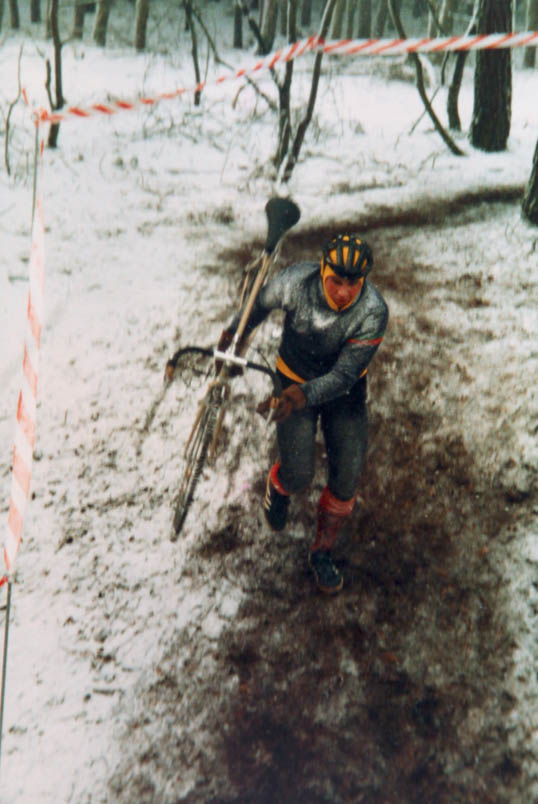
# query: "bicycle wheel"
(195, 459)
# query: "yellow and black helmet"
(348, 256)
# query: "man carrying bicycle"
(334, 322)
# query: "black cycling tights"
(344, 423)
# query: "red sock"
(275, 480)
(332, 513)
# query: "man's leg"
(345, 427)
(295, 470)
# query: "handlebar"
(226, 357)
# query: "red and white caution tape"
(314, 44)
(26, 408)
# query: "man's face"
(342, 292)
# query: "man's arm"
(355, 357)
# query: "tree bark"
(381, 18)
(490, 126)
(81, 10)
(270, 19)
(194, 49)
(455, 85)
(530, 199)
(529, 58)
(101, 22)
(350, 18)
(58, 84)
(35, 11)
(365, 19)
(141, 24)
(14, 14)
(306, 13)
(454, 122)
(238, 25)
(284, 91)
(305, 122)
(338, 19)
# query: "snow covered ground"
(141, 670)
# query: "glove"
(223, 345)
(292, 398)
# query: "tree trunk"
(338, 20)
(454, 122)
(35, 11)
(1, 13)
(14, 14)
(305, 122)
(350, 18)
(101, 22)
(529, 59)
(141, 24)
(490, 126)
(283, 17)
(78, 19)
(238, 26)
(306, 13)
(270, 19)
(530, 200)
(365, 19)
(58, 84)
(448, 9)
(381, 18)
(455, 84)
(194, 49)
(284, 92)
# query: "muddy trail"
(397, 690)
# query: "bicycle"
(281, 214)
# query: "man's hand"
(291, 399)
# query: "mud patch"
(397, 690)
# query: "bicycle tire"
(194, 463)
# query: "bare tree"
(14, 14)
(490, 126)
(457, 77)
(284, 91)
(529, 59)
(1, 13)
(365, 19)
(298, 139)
(270, 19)
(350, 18)
(306, 13)
(81, 9)
(445, 136)
(238, 24)
(381, 18)
(35, 11)
(101, 22)
(338, 19)
(57, 102)
(141, 24)
(189, 12)
(530, 200)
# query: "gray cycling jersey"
(328, 349)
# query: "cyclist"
(334, 322)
